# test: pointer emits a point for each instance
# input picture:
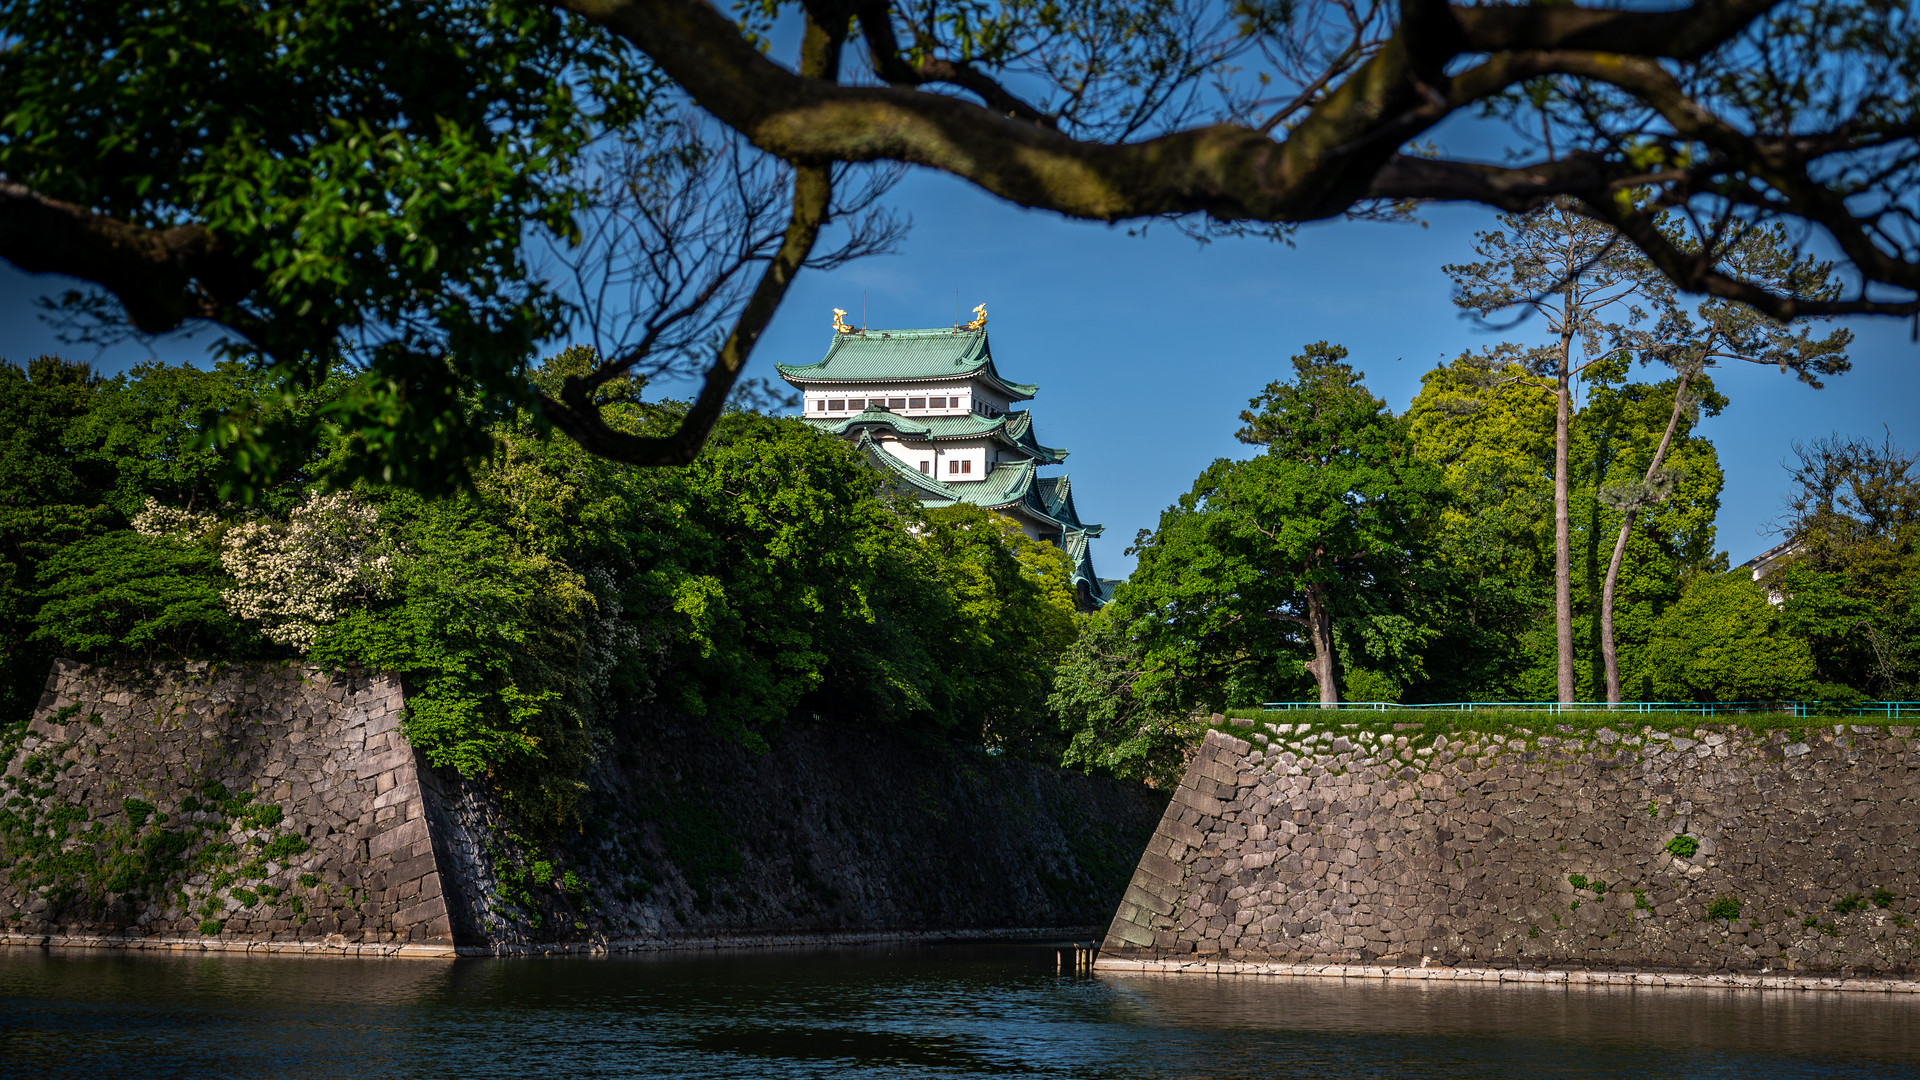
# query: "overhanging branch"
(163, 277)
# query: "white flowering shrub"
(158, 520)
(297, 576)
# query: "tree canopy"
(1850, 580)
(379, 184)
(1307, 549)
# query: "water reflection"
(949, 1011)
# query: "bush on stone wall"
(532, 613)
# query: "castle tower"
(930, 407)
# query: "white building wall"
(963, 461)
(954, 399)
(988, 403)
(944, 461)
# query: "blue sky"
(1147, 347)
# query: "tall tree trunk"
(1607, 649)
(1320, 632)
(1562, 524)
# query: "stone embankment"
(278, 808)
(265, 805)
(1708, 851)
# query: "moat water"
(904, 1011)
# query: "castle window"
(959, 467)
(926, 468)
(937, 403)
(897, 403)
(856, 404)
(820, 405)
(917, 403)
(837, 406)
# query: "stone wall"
(1340, 844)
(836, 833)
(267, 807)
(256, 806)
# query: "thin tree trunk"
(1607, 649)
(1562, 526)
(1320, 632)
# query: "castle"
(930, 407)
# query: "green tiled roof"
(1013, 429)
(1020, 430)
(1006, 485)
(1080, 554)
(866, 356)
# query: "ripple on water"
(904, 1011)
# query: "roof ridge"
(929, 331)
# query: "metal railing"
(1891, 710)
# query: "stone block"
(385, 761)
(426, 912)
(399, 838)
(1176, 829)
(1153, 900)
(1206, 805)
(1165, 869)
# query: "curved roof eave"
(913, 477)
(907, 356)
(1012, 390)
(880, 418)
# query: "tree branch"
(1343, 152)
(579, 416)
(1683, 34)
(162, 277)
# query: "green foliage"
(1012, 618)
(79, 457)
(138, 811)
(1683, 847)
(374, 169)
(1850, 585)
(1477, 419)
(1617, 431)
(1724, 907)
(488, 637)
(1723, 642)
(792, 579)
(1308, 548)
(219, 800)
(144, 434)
(122, 596)
(1114, 724)
(283, 847)
(1578, 881)
(48, 498)
(1882, 898)
(1849, 904)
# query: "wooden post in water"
(1077, 958)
